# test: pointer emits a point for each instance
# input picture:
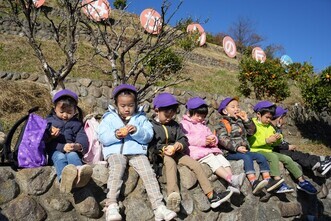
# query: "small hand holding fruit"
(211, 141)
(122, 132)
(55, 131)
(242, 115)
(273, 138)
(169, 150)
(242, 149)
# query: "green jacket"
(258, 140)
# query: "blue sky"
(302, 27)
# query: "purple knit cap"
(164, 100)
(262, 104)
(65, 92)
(122, 87)
(225, 102)
(194, 103)
(279, 112)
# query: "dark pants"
(306, 160)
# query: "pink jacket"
(196, 134)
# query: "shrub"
(263, 80)
(316, 91)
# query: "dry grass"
(17, 98)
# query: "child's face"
(279, 122)
(198, 117)
(232, 109)
(64, 112)
(165, 116)
(265, 119)
(126, 105)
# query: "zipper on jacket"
(122, 146)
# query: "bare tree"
(30, 18)
(135, 56)
(243, 32)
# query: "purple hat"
(195, 102)
(279, 112)
(225, 102)
(164, 100)
(122, 87)
(65, 92)
(262, 104)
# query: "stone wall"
(37, 189)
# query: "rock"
(200, 200)
(36, 181)
(131, 179)
(100, 174)
(8, 186)
(187, 202)
(85, 203)
(187, 177)
(288, 209)
(57, 202)
(86, 82)
(24, 208)
(138, 209)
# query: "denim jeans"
(60, 160)
(249, 158)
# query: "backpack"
(227, 125)
(94, 153)
(29, 150)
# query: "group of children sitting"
(128, 136)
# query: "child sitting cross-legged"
(265, 139)
(203, 143)
(67, 142)
(170, 142)
(125, 133)
(234, 128)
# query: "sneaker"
(233, 189)
(258, 186)
(219, 198)
(69, 174)
(284, 188)
(162, 213)
(273, 184)
(173, 202)
(84, 175)
(238, 180)
(325, 166)
(112, 213)
(307, 187)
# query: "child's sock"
(229, 178)
(210, 194)
(266, 176)
(251, 178)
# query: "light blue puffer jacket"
(132, 144)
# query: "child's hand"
(131, 128)
(292, 147)
(211, 141)
(242, 115)
(55, 131)
(69, 147)
(169, 150)
(242, 149)
(122, 132)
(273, 138)
(78, 147)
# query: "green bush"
(166, 61)
(266, 80)
(316, 91)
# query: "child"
(320, 164)
(203, 144)
(233, 131)
(170, 142)
(67, 142)
(125, 133)
(265, 139)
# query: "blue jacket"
(132, 144)
(71, 131)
